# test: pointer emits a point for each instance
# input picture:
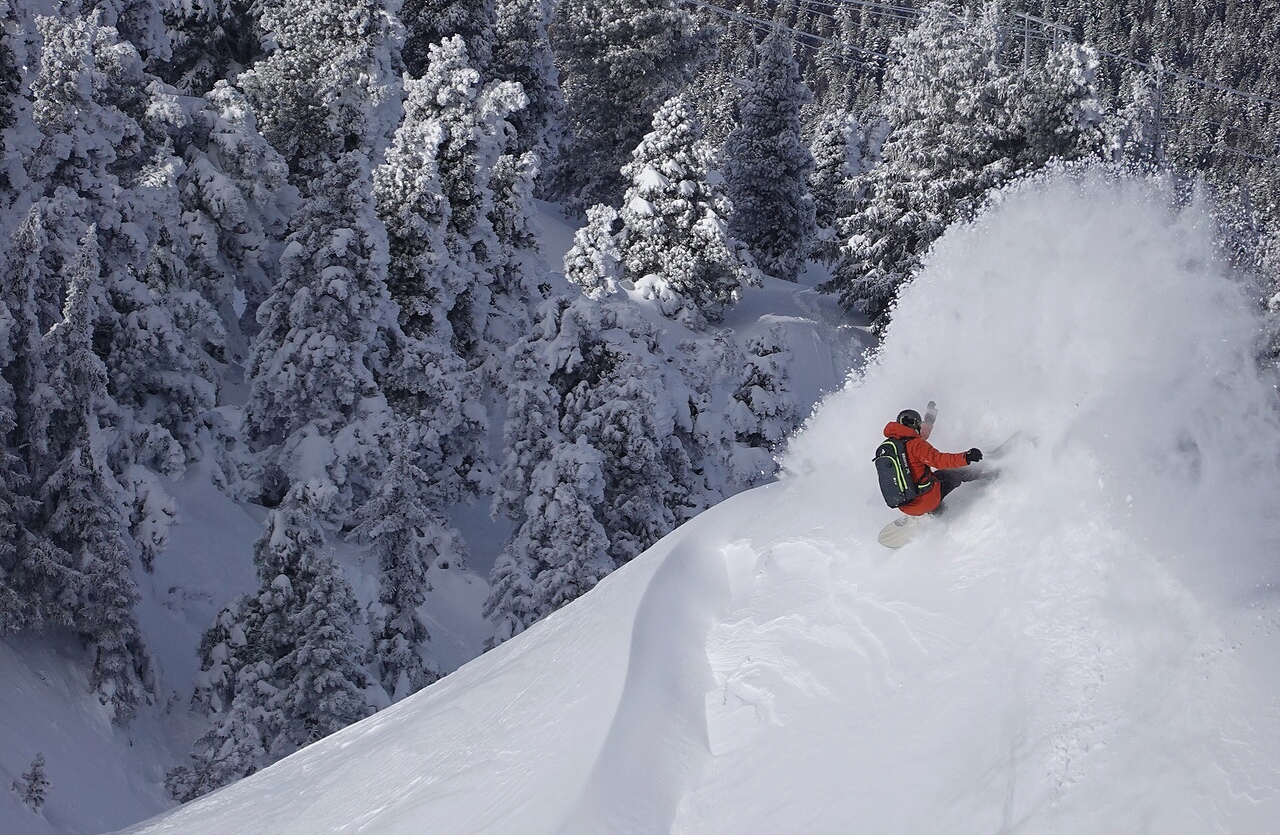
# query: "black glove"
(973, 456)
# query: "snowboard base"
(900, 531)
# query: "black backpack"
(894, 473)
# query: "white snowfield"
(1090, 644)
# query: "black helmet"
(910, 418)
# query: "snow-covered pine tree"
(15, 504)
(594, 262)
(618, 401)
(236, 201)
(320, 679)
(305, 611)
(407, 539)
(11, 103)
(211, 42)
(1133, 126)
(532, 426)
(34, 785)
(1058, 107)
(139, 22)
(330, 85)
(281, 667)
(21, 373)
(427, 22)
(740, 410)
(674, 240)
(843, 152)
(714, 93)
(443, 294)
(81, 499)
(40, 574)
(230, 750)
(588, 400)
(475, 134)
(516, 276)
(619, 60)
(711, 367)
(953, 138)
(522, 53)
(87, 95)
(767, 163)
(560, 551)
(532, 433)
(567, 489)
(315, 411)
(765, 412)
(422, 278)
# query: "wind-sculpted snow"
(1084, 645)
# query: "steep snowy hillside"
(105, 777)
(1088, 644)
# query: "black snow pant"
(949, 480)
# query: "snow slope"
(1088, 644)
(104, 777)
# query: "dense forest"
(293, 240)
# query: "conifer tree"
(21, 373)
(81, 497)
(434, 195)
(953, 137)
(407, 539)
(567, 488)
(33, 786)
(330, 85)
(843, 153)
(428, 22)
(530, 433)
(522, 53)
(139, 22)
(230, 750)
(320, 680)
(235, 201)
(1133, 127)
(303, 621)
(315, 408)
(1058, 108)
(532, 426)
(472, 117)
(11, 103)
(15, 506)
(104, 158)
(594, 263)
(674, 242)
(767, 163)
(517, 284)
(211, 42)
(766, 412)
(620, 60)
(560, 552)
(591, 455)
(281, 668)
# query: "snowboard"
(901, 531)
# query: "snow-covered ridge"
(1086, 645)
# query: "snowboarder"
(933, 473)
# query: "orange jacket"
(923, 459)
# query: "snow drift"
(1085, 645)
